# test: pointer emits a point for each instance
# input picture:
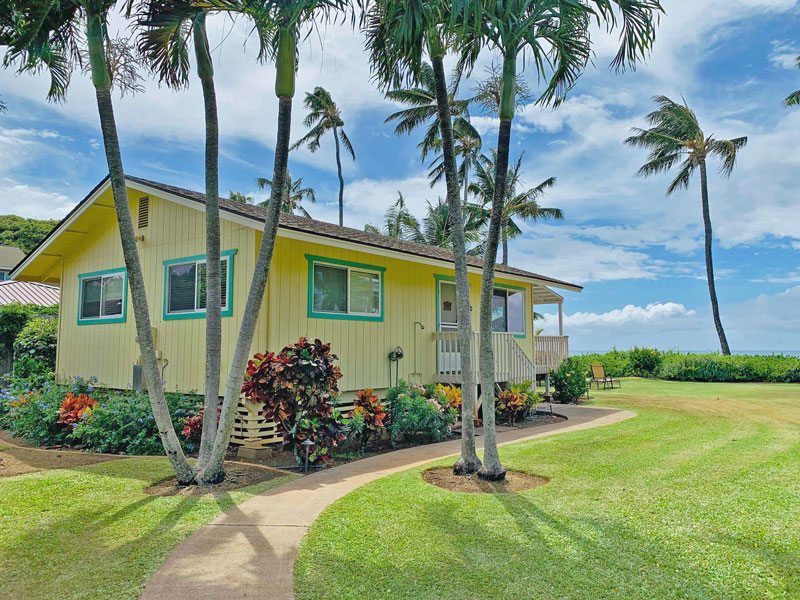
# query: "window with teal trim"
(186, 288)
(102, 297)
(508, 311)
(343, 290)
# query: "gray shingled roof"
(10, 257)
(28, 292)
(329, 230)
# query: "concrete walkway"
(249, 551)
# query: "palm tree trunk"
(712, 288)
(466, 181)
(469, 462)
(492, 469)
(205, 71)
(341, 179)
(504, 235)
(284, 89)
(144, 333)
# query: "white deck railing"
(510, 361)
(551, 350)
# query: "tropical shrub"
(569, 381)
(418, 418)
(32, 413)
(14, 317)
(370, 412)
(193, 428)
(298, 388)
(74, 408)
(516, 402)
(32, 369)
(644, 362)
(123, 423)
(38, 340)
(718, 368)
(448, 395)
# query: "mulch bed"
(515, 481)
(236, 476)
(17, 459)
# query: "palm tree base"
(468, 466)
(492, 473)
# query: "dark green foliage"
(37, 341)
(120, 422)
(14, 317)
(414, 417)
(23, 233)
(569, 381)
(644, 362)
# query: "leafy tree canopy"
(23, 233)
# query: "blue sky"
(638, 254)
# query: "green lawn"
(697, 497)
(91, 532)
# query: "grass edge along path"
(698, 497)
(91, 532)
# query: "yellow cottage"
(367, 294)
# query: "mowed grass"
(696, 497)
(91, 532)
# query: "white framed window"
(344, 290)
(185, 287)
(508, 310)
(102, 297)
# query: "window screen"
(330, 289)
(365, 292)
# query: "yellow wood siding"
(109, 351)
(363, 346)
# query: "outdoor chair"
(599, 376)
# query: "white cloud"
(630, 315)
(784, 54)
(34, 202)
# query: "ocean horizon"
(735, 352)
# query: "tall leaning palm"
(279, 24)
(676, 138)
(522, 205)
(168, 30)
(323, 116)
(794, 98)
(48, 35)
(468, 146)
(399, 34)
(555, 35)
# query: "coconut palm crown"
(675, 138)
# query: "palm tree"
(240, 197)
(168, 29)
(677, 138)
(279, 24)
(293, 195)
(325, 116)
(522, 205)
(489, 91)
(794, 98)
(421, 97)
(468, 146)
(3, 107)
(47, 35)
(399, 222)
(437, 226)
(555, 36)
(398, 36)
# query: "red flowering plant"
(74, 408)
(298, 388)
(193, 427)
(370, 413)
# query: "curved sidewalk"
(249, 551)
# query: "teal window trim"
(524, 291)
(439, 279)
(312, 314)
(198, 314)
(104, 320)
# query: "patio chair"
(599, 376)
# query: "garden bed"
(237, 475)
(18, 458)
(515, 481)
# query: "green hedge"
(647, 362)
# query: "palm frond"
(346, 143)
(726, 151)
(681, 181)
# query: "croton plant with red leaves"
(370, 408)
(74, 408)
(298, 388)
